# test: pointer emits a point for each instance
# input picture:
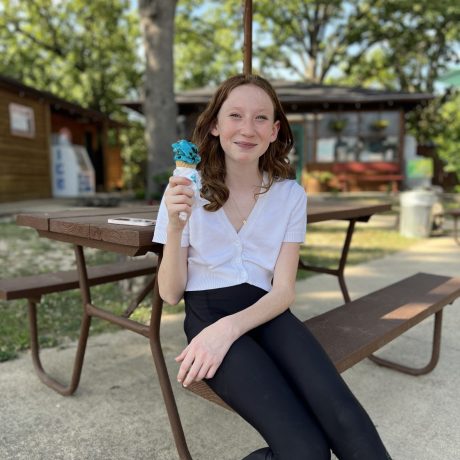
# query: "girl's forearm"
(172, 274)
(266, 308)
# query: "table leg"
(339, 271)
(162, 372)
(456, 236)
(65, 390)
(146, 290)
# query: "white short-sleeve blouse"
(219, 256)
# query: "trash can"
(416, 215)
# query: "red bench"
(353, 173)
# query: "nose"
(247, 127)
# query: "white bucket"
(416, 213)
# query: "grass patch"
(24, 253)
(324, 245)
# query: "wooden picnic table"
(89, 227)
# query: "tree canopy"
(83, 51)
(207, 42)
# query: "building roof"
(304, 97)
(57, 104)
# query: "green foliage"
(162, 180)
(304, 37)
(409, 43)
(448, 141)
(79, 50)
(322, 176)
(438, 124)
(134, 155)
(338, 125)
(208, 40)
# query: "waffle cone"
(182, 164)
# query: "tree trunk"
(157, 23)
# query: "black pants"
(280, 380)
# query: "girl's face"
(245, 124)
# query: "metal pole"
(247, 47)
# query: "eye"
(261, 117)
(234, 115)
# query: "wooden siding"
(25, 162)
(113, 168)
(77, 127)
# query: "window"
(22, 120)
(357, 136)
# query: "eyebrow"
(241, 108)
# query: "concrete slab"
(118, 412)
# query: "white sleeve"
(297, 225)
(160, 234)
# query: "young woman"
(234, 260)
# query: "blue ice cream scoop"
(186, 154)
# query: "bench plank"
(36, 285)
(352, 332)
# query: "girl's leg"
(308, 369)
(252, 385)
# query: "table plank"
(320, 212)
(89, 225)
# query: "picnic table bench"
(33, 287)
(355, 330)
(351, 173)
(349, 333)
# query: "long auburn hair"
(274, 161)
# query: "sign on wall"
(22, 120)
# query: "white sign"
(22, 120)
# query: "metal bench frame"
(34, 287)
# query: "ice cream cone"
(183, 164)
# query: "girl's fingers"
(179, 199)
(202, 373)
(211, 372)
(192, 373)
(185, 367)
(182, 355)
(180, 190)
(179, 180)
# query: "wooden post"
(247, 47)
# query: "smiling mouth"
(245, 145)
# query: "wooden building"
(29, 119)
(356, 136)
